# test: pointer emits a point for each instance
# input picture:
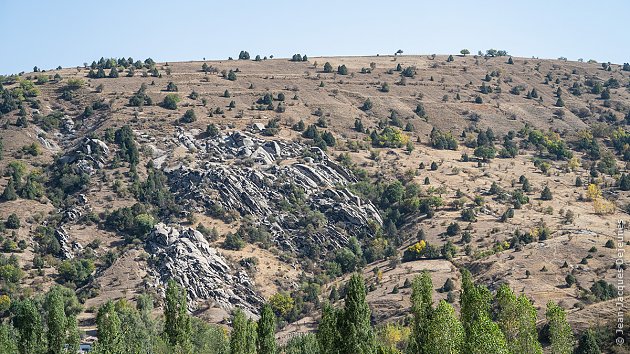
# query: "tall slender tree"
(109, 333)
(355, 327)
(28, 324)
(266, 340)
(55, 322)
(177, 325)
(243, 336)
(327, 335)
(517, 320)
(445, 333)
(560, 333)
(421, 308)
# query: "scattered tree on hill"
(464, 52)
(327, 67)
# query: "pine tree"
(445, 334)
(266, 341)
(624, 182)
(177, 325)
(327, 335)
(546, 194)
(113, 73)
(56, 322)
(109, 333)
(327, 67)
(421, 308)
(517, 320)
(28, 325)
(560, 333)
(354, 326)
(9, 191)
(587, 344)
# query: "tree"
(450, 59)
(177, 323)
(478, 100)
(56, 322)
(445, 333)
(28, 325)
(482, 335)
(354, 326)
(546, 194)
(464, 52)
(517, 320)
(109, 333)
(367, 105)
(328, 337)
(510, 61)
(570, 279)
(243, 336)
(231, 76)
(13, 221)
(327, 67)
(421, 308)
(171, 87)
(113, 73)
(560, 334)
(587, 344)
(243, 55)
(189, 116)
(266, 341)
(624, 182)
(342, 70)
(9, 191)
(559, 102)
(170, 101)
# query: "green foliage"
(189, 116)
(517, 320)
(170, 101)
(266, 341)
(233, 242)
(243, 337)
(422, 310)
(390, 137)
(354, 325)
(560, 334)
(342, 70)
(76, 271)
(177, 323)
(442, 141)
(13, 221)
(602, 290)
(327, 67)
(128, 148)
(587, 344)
(445, 333)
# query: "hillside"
(248, 180)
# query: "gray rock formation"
(184, 255)
(276, 183)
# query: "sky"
(48, 34)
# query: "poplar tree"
(266, 340)
(587, 344)
(28, 325)
(355, 327)
(56, 322)
(177, 325)
(560, 333)
(445, 333)
(327, 334)
(243, 336)
(517, 320)
(109, 333)
(482, 335)
(421, 308)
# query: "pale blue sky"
(69, 32)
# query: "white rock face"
(184, 255)
(259, 178)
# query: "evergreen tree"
(100, 73)
(624, 182)
(560, 333)
(546, 194)
(28, 325)
(177, 323)
(113, 73)
(56, 322)
(266, 341)
(421, 308)
(342, 70)
(445, 334)
(9, 191)
(587, 344)
(327, 67)
(354, 326)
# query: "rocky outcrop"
(281, 185)
(184, 255)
